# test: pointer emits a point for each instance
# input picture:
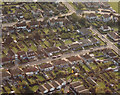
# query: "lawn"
(34, 88)
(68, 42)
(40, 78)
(114, 5)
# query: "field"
(114, 5)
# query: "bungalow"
(6, 60)
(21, 55)
(91, 16)
(112, 55)
(30, 70)
(114, 36)
(86, 42)
(42, 89)
(75, 84)
(77, 87)
(49, 86)
(33, 24)
(74, 59)
(31, 54)
(75, 46)
(46, 67)
(51, 50)
(105, 28)
(60, 63)
(63, 48)
(116, 59)
(91, 81)
(21, 25)
(54, 84)
(16, 72)
(87, 58)
(58, 22)
(5, 74)
(85, 32)
(11, 53)
(106, 18)
(61, 83)
(95, 41)
(10, 29)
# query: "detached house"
(105, 28)
(60, 63)
(31, 54)
(33, 24)
(114, 36)
(21, 55)
(74, 59)
(46, 67)
(85, 32)
(87, 58)
(30, 70)
(6, 60)
(21, 25)
(55, 84)
(91, 16)
(51, 50)
(5, 74)
(63, 48)
(58, 22)
(106, 18)
(61, 83)
(42, 89)
(49, 86)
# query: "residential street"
(105, 39)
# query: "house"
(16, 72)
(42, 89)
(85, 32)
(106, 17)
(105, 28)
(87, 58)
(49, 86)
(33, 24)
(61, 83)
(63, 48)
(111, 55)
(95, 41)
(78, 88)
(31, 54)
(74, 59)
(11, 53)
(55, 84)
(58, 22)
(30, 70)
(21, 25)
(91, 81)
(46, 67)
(10, 29)
(6, 60)
(51, 50)
(75, 84)
(60, 63)
(5, 74)
(114, 36)
(75, 46)
(91, 16)
(85, 91)
(85, 42)
(88, 4)
(21, 55)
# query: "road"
(49, 59)
(40, 19)
(105, 39)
